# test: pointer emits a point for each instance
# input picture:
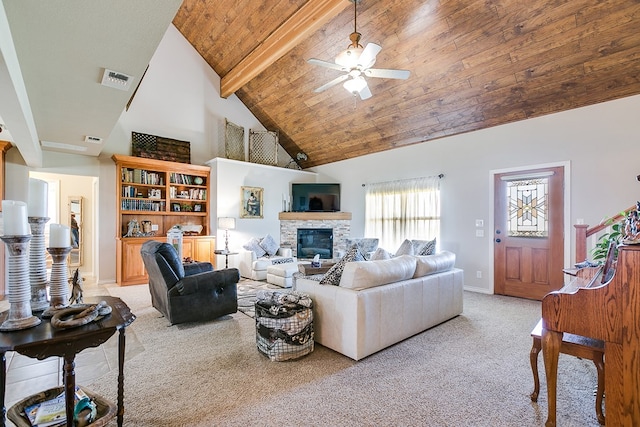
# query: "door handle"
(498, 240)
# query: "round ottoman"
(282, 274)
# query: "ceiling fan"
(356, 62)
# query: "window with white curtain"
(405, 209)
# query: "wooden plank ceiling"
(474, 64)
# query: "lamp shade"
(349, 58)
(355, 84)
(226, 223)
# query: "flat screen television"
(315, 197)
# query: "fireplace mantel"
(309, 216)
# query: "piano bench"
(573, 345)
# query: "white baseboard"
(478, 290)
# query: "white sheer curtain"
(406, 209)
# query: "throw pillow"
(367, 245)
(269, 245)
(253, 245)
(428, 249)
(380, 254)
(406, 248)
(333, 276)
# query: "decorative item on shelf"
(226, 224)
(155, 193)
(133, 228)
(16, 237)
(191, 229)
(185, 207)
(197, 208)
(198, 180)
(37, 217)
(175, 207)
(59, 248)
(174, 238)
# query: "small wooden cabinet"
(153, 196)
(130, 268)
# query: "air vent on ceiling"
(116, 79)
(93, 139)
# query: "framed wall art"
(251, 202)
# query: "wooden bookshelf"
(164, 194)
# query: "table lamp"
(226, 224)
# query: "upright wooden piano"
(610, 312)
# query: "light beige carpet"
(470, 371)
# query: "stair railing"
(583, 232)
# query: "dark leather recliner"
(188, 293)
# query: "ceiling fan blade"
(326, 64)
(368, 56)
(387, 74)
(333, 82)
(365, 93)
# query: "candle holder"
(59, 285)
(38, 264)
(20, 315)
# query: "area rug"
(247, 291)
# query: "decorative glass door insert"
(528, 207)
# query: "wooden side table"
(44, 340)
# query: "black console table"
(44, 341)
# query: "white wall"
(228, 177)
(599, 142)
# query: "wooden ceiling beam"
(309, 18)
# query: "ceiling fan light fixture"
(355, 85)
(349, 57)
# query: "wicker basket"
(106, 409)
(286, 335)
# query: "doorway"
(529, 228)
(73, 198)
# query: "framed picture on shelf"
(252, 201)
(197, 208)
(175, 207)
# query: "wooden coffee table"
(306, 269)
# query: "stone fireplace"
(338, 222)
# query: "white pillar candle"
(38, 195)
(59, 236)
(14, 214)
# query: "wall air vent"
(116, 79)
(93, 139)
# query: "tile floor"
(26, 376)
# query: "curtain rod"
(440, 176)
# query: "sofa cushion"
(253, 245)
(426, 247)
(406, 248)
(367, 245)
(332, 277)
(269, 245)
(431, 264)
(379, 254)
(368, 274)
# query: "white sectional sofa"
(379, 303)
